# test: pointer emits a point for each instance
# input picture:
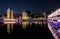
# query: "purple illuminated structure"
(17, 20)
(58, 21)
(58, 30)
(1, 20)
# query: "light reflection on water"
(32, 29)
(24, 25)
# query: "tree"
(28, 12)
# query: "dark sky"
(33, 5)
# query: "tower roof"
(9, 8)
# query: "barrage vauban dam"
(53, 21)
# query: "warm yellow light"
(25, 24)
(8, 28)
(24, 16)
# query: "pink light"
(16, 20)
(58, 20)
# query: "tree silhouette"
(28, 12)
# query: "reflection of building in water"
(9, 16)
(25, 24)
(24, 16)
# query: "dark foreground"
(34, 31)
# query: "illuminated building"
(9, 16)
(24, 16)
(9, 13)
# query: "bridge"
(54, 23)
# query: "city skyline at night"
(23, 19)
(30, 18)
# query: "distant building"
(36, 15)
(10, 13)
(25, 15)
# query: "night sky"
(19, 6)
